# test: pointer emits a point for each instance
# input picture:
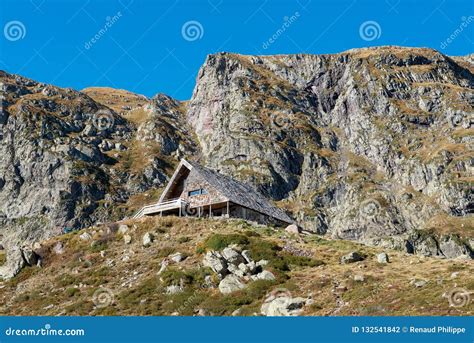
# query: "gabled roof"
(237, 192)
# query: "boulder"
(214, 260)
(246, 255)
(293, 229)
(352, 257)
(282, 306)
(453, 247)
(29, 256)
(232, 256)
(173, 289)
(235, 270)
(230, 283)
(262, 263)
(265, 275)
(58, 248)
(244, 268)
(177, 257)
(382, 258)
(147, 239)
(123, 229)
(13, 265)
(127, 239)
(85, 236)
(359, 278)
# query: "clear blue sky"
(144, 48)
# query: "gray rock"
(29, 256)
(85, 236)
(265, 275)
(232, 256)
(282, 306)
(15, 262)
(419, 283)
(246, 255)
(382, 258)
(176, 257)
(359, 278)
(453, 247)
(58, 248)
(293, 229)
(174, 289)
(230, 283)
(127, 239)
(216, 262)
(352, 257)
(147, 239)
(244, 268)
(262, 263)
(123, 229)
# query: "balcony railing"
(160, 207)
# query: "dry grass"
(66, 283)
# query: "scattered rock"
(202, 313)
(293, 228)
(85, 236)
(58, 248)
(352, 257)
(230, 283)
(236, 313)
(418, 283)
(29, 256)
(127, 239)
(262, 263)
(277, 306)
(232, 256)
(246, 255)
(359, 278)
(214, 260)
(265, 275)
(147, 239)
(123, 229)
(382, 258)
(174, 289)
(177, 257)
(102, 253)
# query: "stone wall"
(193, 182)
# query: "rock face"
(366, 145)
(371, 145)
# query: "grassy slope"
(66, 283)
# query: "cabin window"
(197, 192)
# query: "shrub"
(220, 241)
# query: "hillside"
(108, 270)
(369, 145)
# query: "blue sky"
(151, 47)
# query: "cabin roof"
(236, 191)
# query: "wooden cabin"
(197, 191)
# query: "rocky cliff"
(373, 145)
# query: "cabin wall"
(195, 181)
(237, 211)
